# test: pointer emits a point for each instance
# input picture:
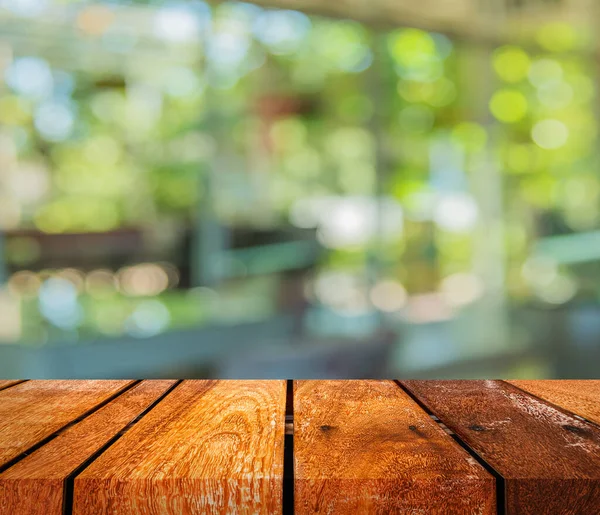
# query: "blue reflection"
(30, 77)
(58, 303)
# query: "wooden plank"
(550, 460)
(34, 410)
(579, 397)
(35, 485)
(367, 447)
(211, 447)
(8, 383)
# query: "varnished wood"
(366, 447)
(579, 397)
(210, 447)
(358, 447)
(35, 485)
(34, 410)
(8, 383)
(550, 460)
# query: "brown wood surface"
(7, 383)
(210, 447)
(579, 397)
(34, 410)
(35, 485)
(550, 460)
(367, 447)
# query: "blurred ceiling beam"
(483, 21)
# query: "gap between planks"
(69, 481)
(5, 385)
(56, 433)
(500, 484)
(288, 452)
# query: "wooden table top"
(270, 447)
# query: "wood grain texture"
(367, 447)
(8, 383)
(550, 460)
(210, 447)
(34, 410)
(35, 485)
(579, 397)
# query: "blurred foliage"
(275, 107)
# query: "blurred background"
(299, 188)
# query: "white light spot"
(388, 296)
(560, 290)
(461, 289)
(282, 31)
(550, 134)
(351, 221)
(58, 303)
(540, 271)
(544, 71)
(456, 212)
(54, 120)
(30, 77)
(176, 24)
(149, 318)
(26, 8)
